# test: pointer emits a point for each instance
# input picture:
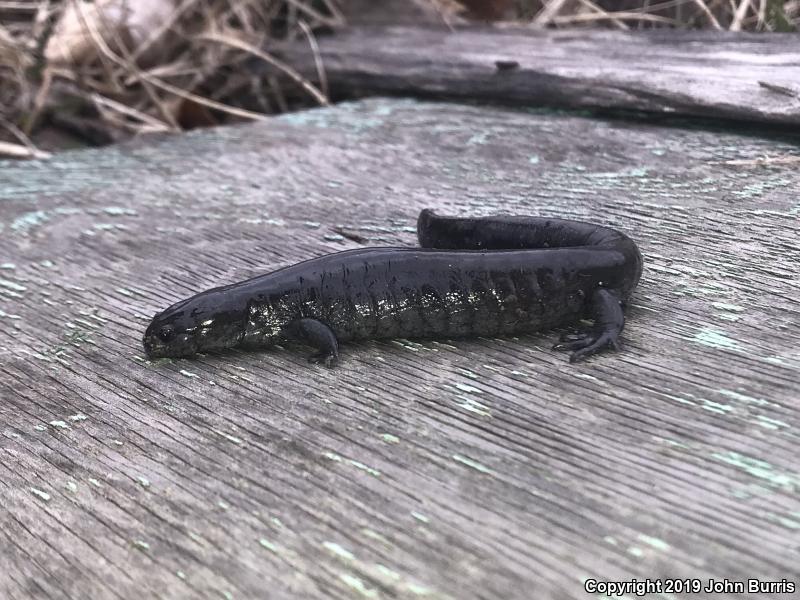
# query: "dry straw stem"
(16, 132)
(606, 16)
(108, 107)
(738, 17)
(20, 151)
(25, 149)
(549, 12)
(591, 6)
(709, 15)
(278, 64)
(312, 41)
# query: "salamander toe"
(601, 342)
(327, 359)
(587, 343)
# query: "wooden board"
(442, 469)
(754, 77)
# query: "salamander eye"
(166, 333)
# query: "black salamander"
(493, 276)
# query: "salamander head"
(198, 324)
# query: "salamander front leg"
(609, 321)
(317, 334)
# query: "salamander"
(487, 276)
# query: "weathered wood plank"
(736, 76)
(468, 469)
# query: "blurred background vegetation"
(80, 72)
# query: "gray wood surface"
(437, 470)
(739, 76)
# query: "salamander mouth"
(181, 345)
(152, 347)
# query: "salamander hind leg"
(609, 321)
(317, 334)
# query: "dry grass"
(733, 15)
(109, 69)
(106, 73)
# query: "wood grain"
(447, 470)
(701, 73)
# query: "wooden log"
(702, 73)
(470, 469)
